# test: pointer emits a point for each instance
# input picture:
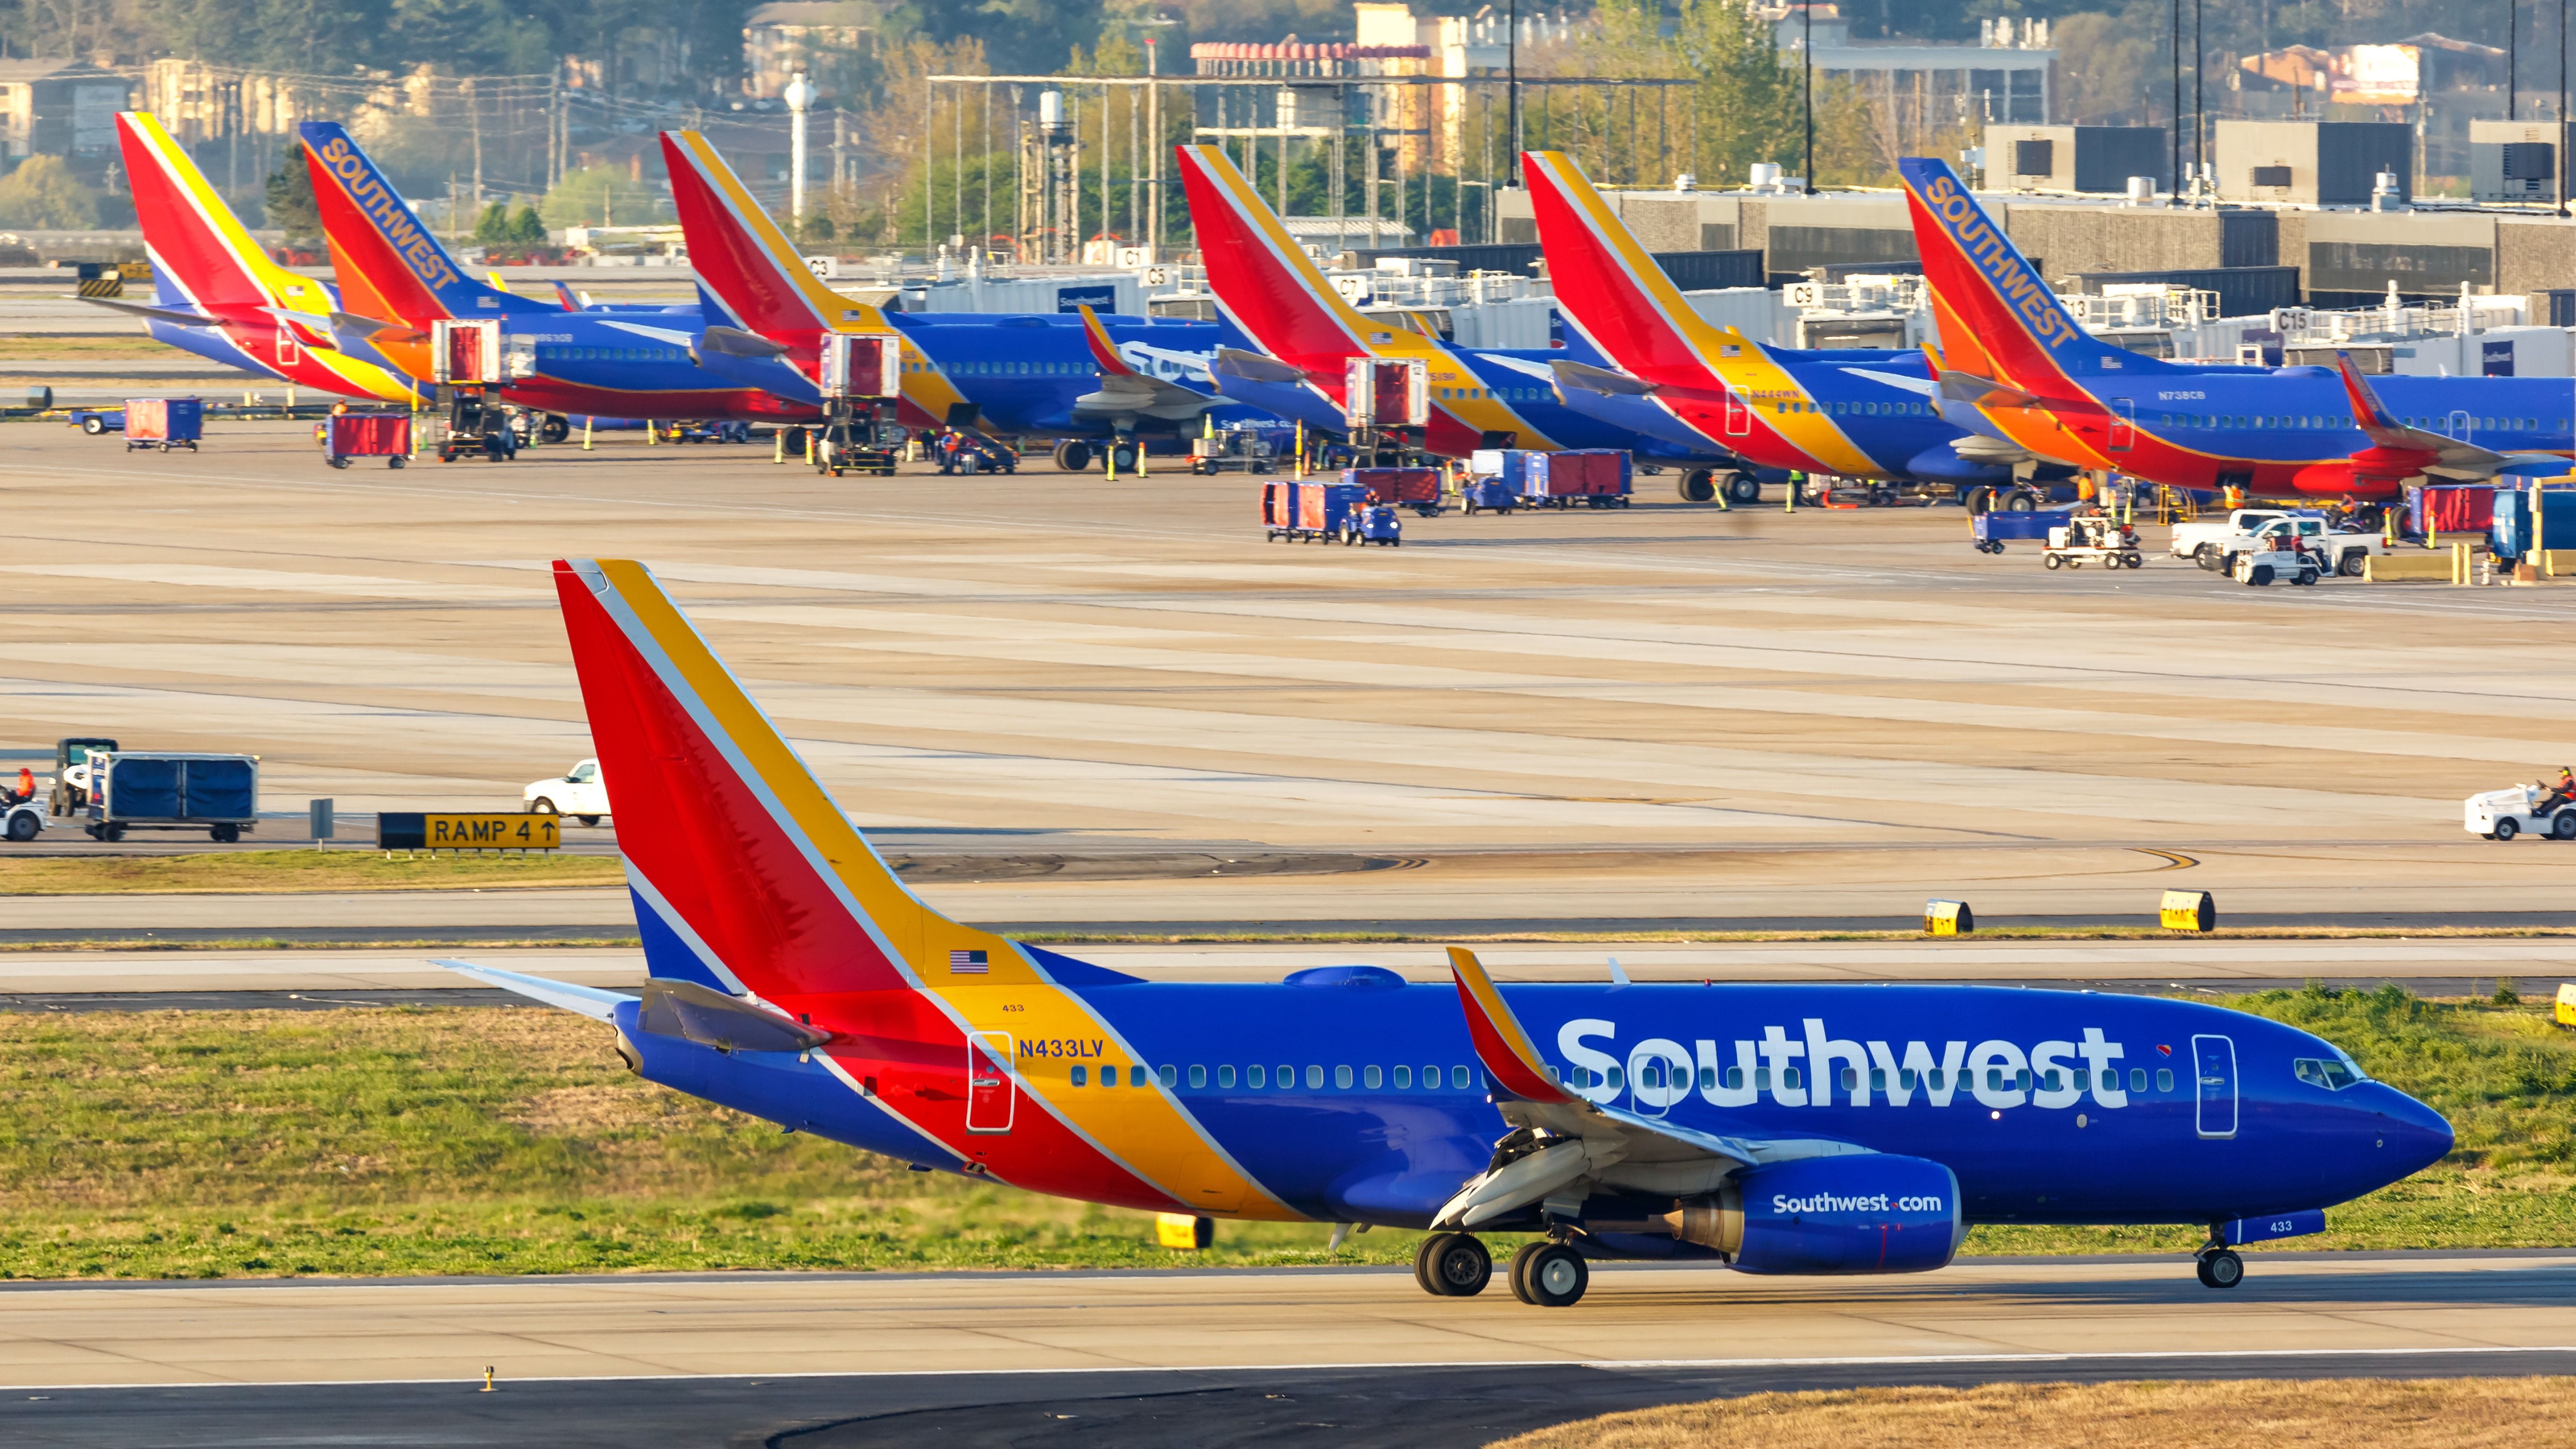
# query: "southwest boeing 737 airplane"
(1772, 1128)
(2272, 432)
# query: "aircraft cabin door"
(992, 1095)
(1739, 415)
(289, 351)
(2457, 426)
(2213, 1068)
(2124, 425)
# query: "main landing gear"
(1544, 1274)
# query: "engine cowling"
(1867, 1213)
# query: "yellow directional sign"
(400, 830)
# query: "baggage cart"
(164, 423)
(1414, 488)
(2092, 538)
(1591, 477)
(367, 435)
(1278, 510)
(156, 790)
(1318, 512)
(1991, 531)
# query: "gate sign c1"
(415, 830)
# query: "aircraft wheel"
(1454, 1265)
(1557, 1276)
(1697, 486)
(2020, 503)
(1518, 1276)
(2222, 1269)
(2507, 828)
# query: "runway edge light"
(2188, 911)
(1948, 918)
(1184, 1233)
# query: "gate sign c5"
(396, 830)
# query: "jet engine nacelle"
(1867, 1213)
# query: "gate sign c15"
(398, 830)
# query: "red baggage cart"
(164, 423)
(1414, 488)
(367, 435)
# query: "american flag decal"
(966, 963)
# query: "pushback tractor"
(465, 368)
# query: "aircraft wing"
(158, 314)
(2456, 459)
(1562, 1137)
(1125, 390)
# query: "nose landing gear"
(2220, 1267)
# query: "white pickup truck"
(2214, 545)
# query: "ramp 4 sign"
(398, 830)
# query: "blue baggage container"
(1993, 530)
(2514, 534)
(1488, 495)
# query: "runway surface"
(1189, 1357)
(2444, 964)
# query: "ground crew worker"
(2560, 792)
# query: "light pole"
(799, 95)
(1807, 90)
(1512, 126)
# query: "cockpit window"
(2333, 1074)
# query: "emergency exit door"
(2213, 1068)
(991, 1093)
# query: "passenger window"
(1431, 1078)
(1373, 1079)
(1940, 1080)
(1761, 1078)
(1851, 1078)
(1618, 1077)
(1403, 1078)
(1255, 1077)
(1708, 1079)
(1905, 1078)
(1735, 1079)
(1342, 1078)
(2137, 1079)
(1878, 1079)
(1792, 1078)
(1314, 1079)
(1081, 1076)
(1994, 1079)
(2021, 1079)
(1171, 1076)
(1225, 1076)
(2054, 1081)
(1198, 1076)
(2164, 1079)
(1458, 1078)
(2108, 1081)
(1287, 1079)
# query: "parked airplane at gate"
(395, 279)
(1480, 397)
(1775, 1128)
(2276, 432)
(216, 293)
(1849, 414)
(1030, 374)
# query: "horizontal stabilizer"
(590, 1001)
(728, 1023)
(734, 342)
(170, 315)
(1254, 367)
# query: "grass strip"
(426, 1141)
(259, 871)
(2483, 1413)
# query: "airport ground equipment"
(1309, 512)
(164, 423)
(2504, 814)
(70, 794)
(23, 820)
(1233, 450)
(1373, 523)
(1586, 477)
(579, 792)
(1386, 409)
(161, 790)
(733, 431)
(465, 368)
(1414, 488)
(961, 451)
(2092, 538)
(2345, 553)
(346, 436)
(98, 421)
(1488, 495)
(861, 375)
(1989, 532)
(2197, 539)
(2533, 521)
(2277, 557)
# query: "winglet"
(1510, 1059)
(1103, 351)
(2368, 412)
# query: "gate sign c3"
(408, 831)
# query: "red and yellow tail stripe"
(1508, 1054)
(742, 847)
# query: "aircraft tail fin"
(742, 257)
(1604, 279)
(200, 251)
(1262, 277)
(2000, 303)
(747, 877)
(380, 250)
